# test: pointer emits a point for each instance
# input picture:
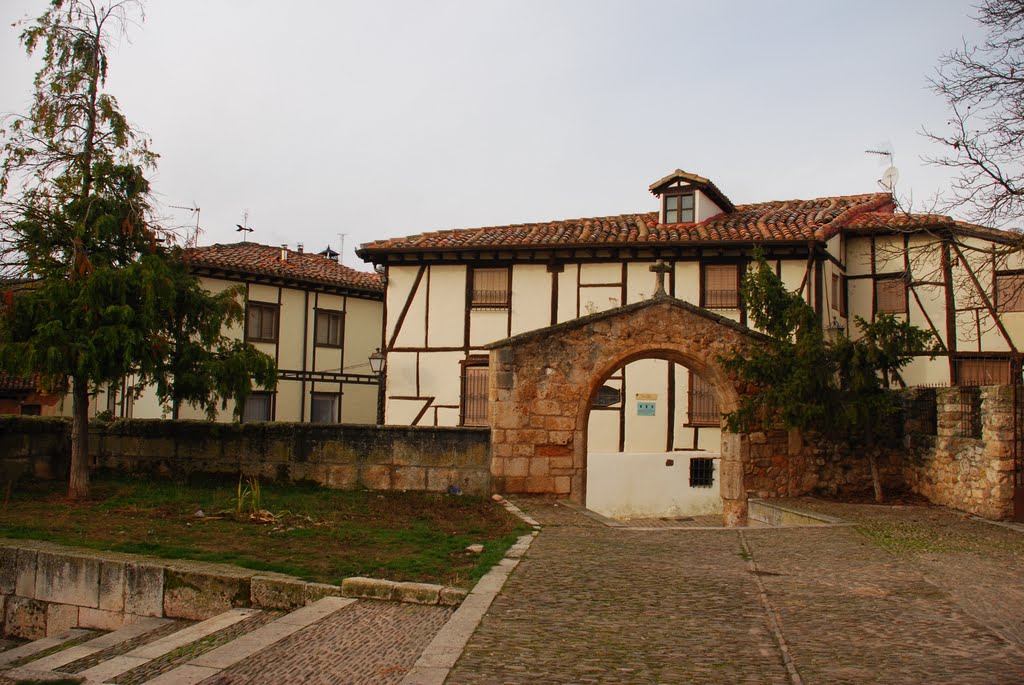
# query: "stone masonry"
(542, 384)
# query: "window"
(970, 413)
(474, 395)
(702, 472)
(982, 371)
(702, 404)
(606, 396)
(835, 292)
(679, 209)
(721, 286)
(31, 410)
(891, 295)
(1010, 292)
(329, 326)
(490, 288)
(258, 407)
(261, 322)
(324, 407)
(842, 295)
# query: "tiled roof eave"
(549, 247)
(214, 270)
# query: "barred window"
(261, 322)
(702, 472)
(490, 288)
(721, 286)
(970, 413)
(606, 396)
(1010, 292)
(891, 294)
(474, 396)
(702, 404)
(982, 371)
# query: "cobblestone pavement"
(910, 595)
(366, 642)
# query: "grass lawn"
(306, 531)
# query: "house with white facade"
(318, 319)
(451, 293)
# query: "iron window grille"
(490, 288)
(474, 396)
(606, 396)
(970, 412)
(971, 371)
(721, 286)
(702, 405)
(702, 472)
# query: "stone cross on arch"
(660, 269)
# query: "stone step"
(119, 636)
(30, 648)
(211, 663)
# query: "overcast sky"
(378, 119)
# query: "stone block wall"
(973, 474)
(336, 456)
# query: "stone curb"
(439, 657)
(46, 588)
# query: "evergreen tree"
(800, 380)
(107, 295)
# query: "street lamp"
(377, 361)
(377, 367)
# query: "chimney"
(300, 248)
(284, 252)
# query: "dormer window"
(679, 208)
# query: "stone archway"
(542, 384)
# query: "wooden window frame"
(844, 285)
(272, 399)
(886, 278)
(1019, 290)
(334, 396)
(704, 282)
(700, 420)
(329, 314)
(504, 304)
(465, 365)
(255, 305)
(680, 194)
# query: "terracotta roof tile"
(817, 219)
(257, 259)
(19, 383)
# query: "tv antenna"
(341, 251)
(194, 209)
(891, 175)
(244, 226)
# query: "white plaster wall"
(401, 375)
(594, 300)
(643, 486)
(688, 282)
(531, 297)
(447, 306)
(792, 272)
(925, 371)
(440, 377)
(362, 332)
(567, 292)
(603, 430)
(640, 282)
(487, 326)
(647, 433)
(600, 272)
(858, 256)
(289, 401)
(400, 282)
(704, 208)
(358, 404)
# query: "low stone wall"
(973, 474)
(337, 456)
(47, 588)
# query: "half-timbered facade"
(450, 293)
(317, 318)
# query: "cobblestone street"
(911, 595)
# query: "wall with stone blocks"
(337, 456)
(47, 588)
